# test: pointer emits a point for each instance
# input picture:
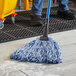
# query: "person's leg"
(64, 11)
(36, 12)
(63, 5)
(37, 7)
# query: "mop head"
(39, 51)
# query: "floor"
(67, 42)
(22, 29)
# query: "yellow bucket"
(30, 2)
(7, 7)
(27, 4)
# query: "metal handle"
(19, 4)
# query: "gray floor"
(67, 42)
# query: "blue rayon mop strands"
(39, 51)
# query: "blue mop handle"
(48, 9)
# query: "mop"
(41, 50)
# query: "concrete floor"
(67, 42)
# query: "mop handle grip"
(48, 9)
(45, 29)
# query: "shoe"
(35, 20)
(67, 15)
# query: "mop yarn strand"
(39, 51)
